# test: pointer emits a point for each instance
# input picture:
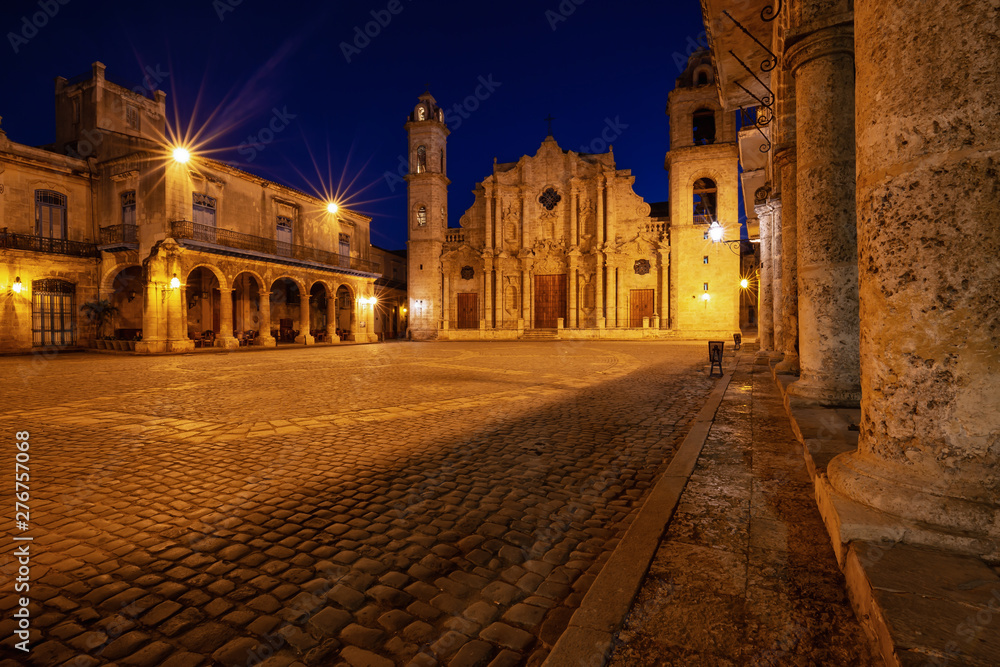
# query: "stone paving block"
(150, 655)
(124, 645)
(329, 621)
(507, 636)
(357, 657)
(235, 653)
(475, 653)
(359, 635)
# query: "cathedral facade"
(558, 245)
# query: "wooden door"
(641, 302)
(468, 310)
(550, 300)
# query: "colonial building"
(557, 244)
(185, 250)
(873, 155)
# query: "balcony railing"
(120, 234)
(185, 229)
(9, 240)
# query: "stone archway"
(203, 305)
(321, 312)
(126, 295)
(346, 319)
(248, 317)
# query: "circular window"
(549, 199)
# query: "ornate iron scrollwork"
(768, 64)
(771, 12)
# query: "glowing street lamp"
(705, 297)
(744, 283)
(181, 155)
(175, 282)
(18, 285)
(715, 232)
(332, 207)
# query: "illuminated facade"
(558, 244)
(178, 253)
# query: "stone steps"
(539, 335)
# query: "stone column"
(599, 291)
(928, 238)
(784, 160)
(765, 320)
(264, 336)
(445, 299)
(664, 254)
(488, 232)
(823, 65)
(600, 211)
(225, 337)
(574, 221)
(331, 317)
(488, 290)
(525, 298)
(304, 336)
(777, 328)
(573, 258)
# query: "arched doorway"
(319, 311)
(246, 308)
(204, 309)
(126, 296)
(345, 313)
(286, 300)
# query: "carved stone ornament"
(642, 266)
(468, 272)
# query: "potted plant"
(101, 313)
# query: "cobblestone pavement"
(402, 503)
(745, 574)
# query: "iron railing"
(185, 229)
(119, 234)
(9, 240)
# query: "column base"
(788, 365)
(227, 342)
(825, 393)
(305, 339)
(151, 346)
(937, 504)
(266, 341)
(180, 345)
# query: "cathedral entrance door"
(468, 310)
(641, 302)
(550, 300)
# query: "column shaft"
(823, 64)
(765, 321)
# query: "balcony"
(31, 243)
(213, 239)
(120, 237)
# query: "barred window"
(422, 216)
(53, 313)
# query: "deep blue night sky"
(228, 65)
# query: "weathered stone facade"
(883, 141)
(187, 253)
(559, 243)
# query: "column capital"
(823, 42)
(762, 210)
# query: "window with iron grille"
(53, 313)
(50, 214)
(549, 199)
(345, 245)
(422, 216)
(203, 210)
(128, 207)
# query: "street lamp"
(175, 282)
(181, 154)
(18, 285)
(332, 207)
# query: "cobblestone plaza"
(365, 504)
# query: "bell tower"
(704, 186)
(427, 215)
